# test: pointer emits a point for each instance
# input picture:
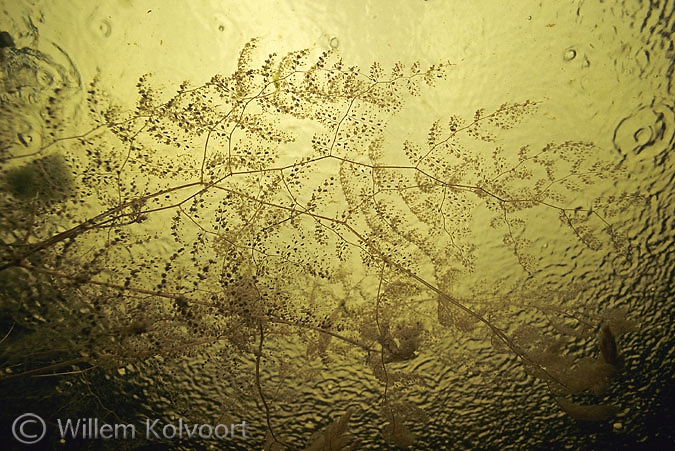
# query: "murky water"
(483, 261)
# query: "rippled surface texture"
(354, 225)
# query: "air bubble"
(334, 43)
(570, 54)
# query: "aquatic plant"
(270, 208)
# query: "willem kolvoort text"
(91, 428)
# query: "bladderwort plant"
(271, 206)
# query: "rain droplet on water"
(570, 54)
(105, 28)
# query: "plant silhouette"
(270, 207)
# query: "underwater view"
(360, 225)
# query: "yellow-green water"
(432, 219)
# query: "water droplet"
(647, 133)
(25, 139)
(105, 28)
(642, 59)
(643, 137)
(570, 54)
(27, 94)
(99, 25)
(44, 78)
